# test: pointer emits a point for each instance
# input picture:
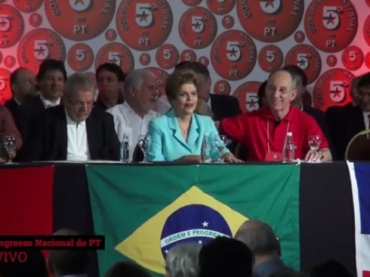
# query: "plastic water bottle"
(289, 149)
(125, 150)
(206, 149)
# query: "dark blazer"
(48, 139)
(344, 123)
(224, 106)
(321, 120)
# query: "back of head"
(197, 67)
(364, 81)
(126, 269)
(66, 262)
(259, 237)
(182, 260)
(225, 257)
(51, 65)
(33, 266)
(330, 268)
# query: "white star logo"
(200, 242)
(166, 251)
(205, 224)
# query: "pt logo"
(41, 49)
(331, 25)
(247, 95)
(80, 57)
(11, 26)
(116, 53)
(338, 90)
(193, 223)
(270, 58)
(144, 15)
(144, 25)
(332, 89)
(331, 17)
(270, 6)
(80, 5)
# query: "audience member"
(225, 257)
(262, 241)
(178, 134)
(347, 121)
(330, 268)
(110, 79)
(262, 101)
(131, 118)
(264, 131)
(300, 79)
(127, 269)
(68, 262)
(182, 260)
(216, 105)
(72, 131)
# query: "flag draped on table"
(360, 180)
(144, 211)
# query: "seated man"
(264, 131)
(71, 131)
(261, 239)
(8, 127)
(131, 118)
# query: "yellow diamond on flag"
(193, 217)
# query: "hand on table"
(313, 156)
(230, 158)
(190, 159)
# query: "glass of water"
(10, 144)
(144, 144)
(314, 142)
(220, 144)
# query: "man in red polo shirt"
(263, 132)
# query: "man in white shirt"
(72, 131)
(131, 118)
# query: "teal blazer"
(168, 144)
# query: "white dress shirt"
(366, 119)
(47, 103)
(128, 123)
(77, 144)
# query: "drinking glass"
(144, 144)
(314, 142)
(10, 143)
(220, 144)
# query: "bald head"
(259, 237)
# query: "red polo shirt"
(251, 129)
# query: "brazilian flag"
(144, 210)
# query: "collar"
(127, 108)
(70, 121)
(366, 114)
(47, 103)
(16, 101)
(268, 267)
(266, 112)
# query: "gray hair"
(182, 260)
(77, 82)
(259, 237)
(135, 79)
(294, 80)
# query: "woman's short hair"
(182, 260)
(179, 78)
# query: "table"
(326, 207)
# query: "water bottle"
(206, 149)
(125, 151)
(289, 149)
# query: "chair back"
(358, 149)
(138, 155)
